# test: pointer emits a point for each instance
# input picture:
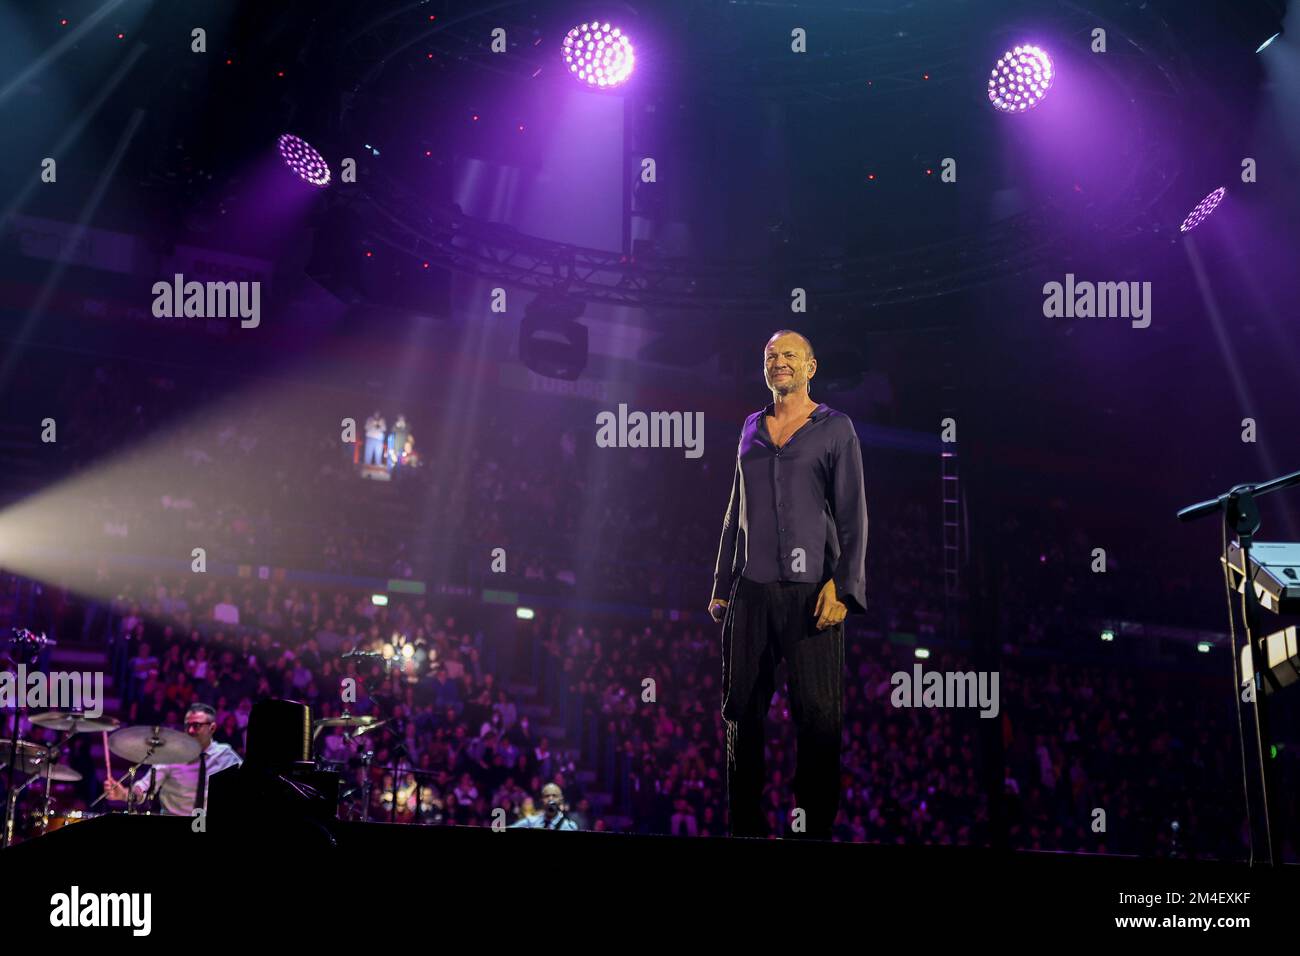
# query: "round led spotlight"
(1020, 79)
(308, 164)
(1203, 210)
(598, 55)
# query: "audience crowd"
(489, 707)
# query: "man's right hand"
(718, 611)
(115, 790)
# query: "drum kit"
(348, 754)
(142, 746)
(149, 746)
(351, 759)
(39, 763)
(402, 797)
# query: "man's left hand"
(829, 610)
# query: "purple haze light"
(1020, 79)
(598, 55)
(1203, 210)
(299, 156)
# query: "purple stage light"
(598, 55)
(303, 160)
(1203, 210)
(1021, 78)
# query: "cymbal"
(369, 723)
(153, 745)
(370, 727)
(26, 751)
(59, 772)
(73, 721)
(31, 761)
(64, 773)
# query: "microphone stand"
(1241, 517)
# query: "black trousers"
(765, 624)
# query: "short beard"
(792, 388)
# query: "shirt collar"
(821, 411)
(760, 423)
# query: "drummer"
(178, 783)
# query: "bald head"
(799, 335)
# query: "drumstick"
(108, 767)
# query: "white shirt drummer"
(178, 783)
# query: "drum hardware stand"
(131, 799)
(52, 757)
(399, 752)
(11, 804)
(366, 784)
(26, 646)
(11, 795)
(365, 756)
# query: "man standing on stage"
(791, 564)
(376, 429)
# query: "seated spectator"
(226, 612)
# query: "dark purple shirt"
(798, 512)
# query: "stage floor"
(280, 875)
